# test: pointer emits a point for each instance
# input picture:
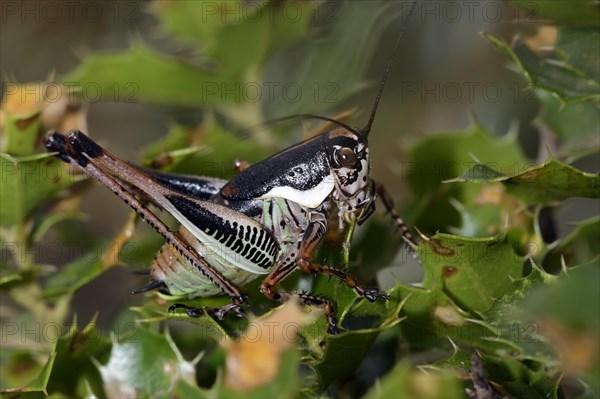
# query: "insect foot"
(335, 330)
(218, 312)
(372, 294)
(55, 142)
(313, 300)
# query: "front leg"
(281, 271)
(388, 203)
(313, 237)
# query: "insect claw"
(194, 312)
(240, 300)
(372, 294)
(240, 312)
(335, 330)
(55, 142)
(152, 285)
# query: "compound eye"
(346, 157)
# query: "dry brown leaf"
(579, 350)
(254, 358)
(57, 105)
(544, 39)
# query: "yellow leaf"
(254, 358)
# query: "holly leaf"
(439, 157)
(543, 184)
(578, 247)
(406, 382)
(343, 353)
(69, 364)
(130, 76)
(27, 183)
(145, 364)
(574, 124)
(235, 36)
(37, 388)
(571, 330)
(570, 71)
(464, 277)
(223, 147)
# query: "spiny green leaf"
(464, 277)
(27, 183)
(516, 354)
(36, 388)
(520, 381)
(131, 76)
(145, 364)
(75, 275)
(343, 354)
(576, 125)
(474, 272)
(442, 156)
(69, 363)
(405, 382)
(178, 144)
(547, 183)
(459, 361)
(337, 356)
(580, 246)
(21, 134)
(235, 35)
(511, 324)
(563, 299)
(218, 148)
(568, 72)
(74, 352)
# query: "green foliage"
(551, 182)
(486, 286)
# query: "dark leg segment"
(268, 289)
(370, 293)
(219, 313)
(388, 203)
(240, 165)
(312, 239)
(313, 236)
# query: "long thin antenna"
(304, 117)
(367, 128)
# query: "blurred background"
(189, 86)
(445, 77)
